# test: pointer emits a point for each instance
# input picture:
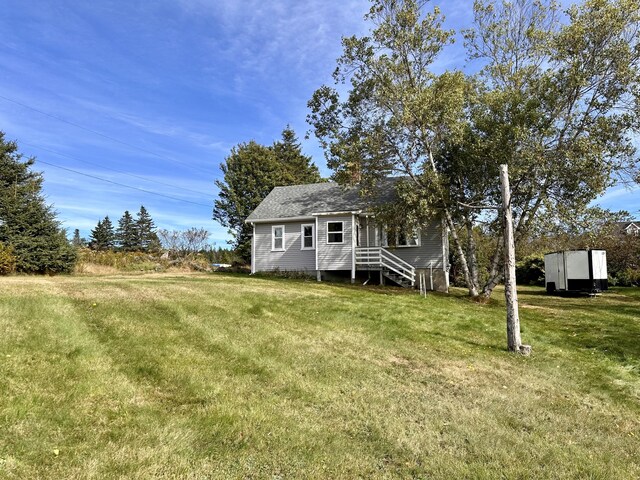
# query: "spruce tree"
(126, 235)
(29, 225)
(109, 233)
(95, 238)
(77, 241)
(146, 238)
(251, 171)
(102, 237)
(298, 168)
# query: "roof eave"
(346, 212)
(279, 219)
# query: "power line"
(123, 185)
(114, 169)
(103, 135)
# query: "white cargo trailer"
(576, 271)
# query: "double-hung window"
(277, 238)
(307, 236)
(335, 232)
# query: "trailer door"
(577, 271)
(599, 266)
(562, 271)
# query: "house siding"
(430, 251)
(334, 256)
(339, 256)
(293, 258)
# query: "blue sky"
(155, 94)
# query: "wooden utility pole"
(514, 343)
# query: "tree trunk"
(514, 342)
(472, 249)
(496, 272)
(471, 285)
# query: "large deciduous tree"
(556, 100)
(251, 171)
(27, 224)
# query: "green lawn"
(224, 376)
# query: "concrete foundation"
(440, 279)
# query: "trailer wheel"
(551, 287)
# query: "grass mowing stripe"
(224, 376)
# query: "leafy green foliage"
(556, 99)
(7, 259)
(251, 171)
(530, 270)
(623, 258)
(27, 224)
(221, 255)
(593, 228)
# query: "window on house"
(402, 238)
(277, 237)
(335, 232)
(384, 238)
(409, 238)
(308, 238)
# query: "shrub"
(277, 273)
(530, 270)
(7, 259)
(626, 278)
(138, 261)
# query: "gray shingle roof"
(304, 200)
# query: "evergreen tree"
(146, 238)
(251, 171)
(95, 239)
(298, 168)
(28, 225)
(126, 234)
(103, 236)
(77, 240)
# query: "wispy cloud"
(172, 87)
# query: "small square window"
(335, 232)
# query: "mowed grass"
(223, 376)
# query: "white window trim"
(417, 230)
(273, 238)
(253, 249)
(384, 241)
(341, 231)
(313, 236)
